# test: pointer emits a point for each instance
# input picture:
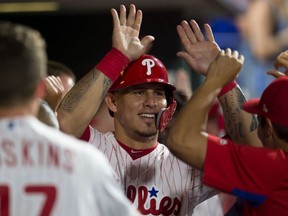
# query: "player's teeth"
(148, 115)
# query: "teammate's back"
(42, 170)
(45, 172)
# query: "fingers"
(234, 54)
(147, 40)
(282, 60)
(188, 32)
(209, 33)
(122, 15)
(116, 21)
(228, 51)
(241, 58)
(133, 20)
(182, 34)
(222, 53)
(136, 24)
(131, 15)
(276, 73)
(54, 84)
(226, 67)
(196, 30)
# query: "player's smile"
(150, 117)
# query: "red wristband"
(227, 88)
(113, 63)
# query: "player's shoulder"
(165, 153)
(59, 138)
(96, 136)
(163, 149)
(94, 132)
(87, 155)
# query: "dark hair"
(281, 131)
(23, 63)
(56, 69)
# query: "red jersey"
(257, 175)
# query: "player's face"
(137, 109)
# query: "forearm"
(83, 100)
(187, 138)
(239, 125)
(81, 103)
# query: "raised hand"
(199, 52)
(225, 67)
(126, 32)
(277, 74)
(281, 61)
(54, 91)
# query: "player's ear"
(269, 127)
(111, 102)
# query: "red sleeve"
(86, 134)
(229, 167)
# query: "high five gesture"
(126, 32)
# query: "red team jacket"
(257, 175)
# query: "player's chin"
(149, 132)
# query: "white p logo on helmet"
(149, 64)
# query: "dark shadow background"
(80, 40)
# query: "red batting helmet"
(146, 69)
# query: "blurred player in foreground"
(43, 171)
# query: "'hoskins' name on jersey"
(29, 154)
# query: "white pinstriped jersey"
(157, 183)
(45, 172)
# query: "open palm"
(199, 53)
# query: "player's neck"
(21, 110)
(136, 142)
